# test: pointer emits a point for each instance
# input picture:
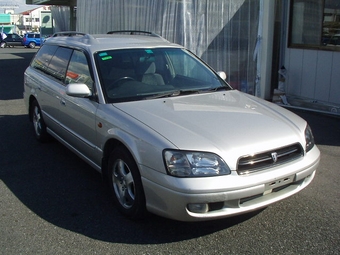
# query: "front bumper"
(169, 196)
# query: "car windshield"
(142, 74)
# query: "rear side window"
(43, 57)
(33, 35)
(52, 60)
(58, 65)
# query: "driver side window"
(78, 70)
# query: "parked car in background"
(11, 40)
(166, 131)
(31, 40)
(331, 39)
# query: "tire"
(38, 123)
(125, 184)
(31, 45)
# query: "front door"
(78, 115)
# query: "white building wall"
(33, 19)
(313, 75)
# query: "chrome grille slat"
(255, 161)
(263, 160)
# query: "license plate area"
(269, 187)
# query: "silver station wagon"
(167, 133)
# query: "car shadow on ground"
(61, 189)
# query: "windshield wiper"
(184, 92)
(163, 95)
(218, 89)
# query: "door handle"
(62, 101)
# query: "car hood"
(229, 123)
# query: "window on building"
(315, 24)
(36, 19)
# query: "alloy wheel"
(123, 184)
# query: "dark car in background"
(331, 39)
(31, 40)
(11, 40)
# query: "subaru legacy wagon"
(167, 132)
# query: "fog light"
(198, 208)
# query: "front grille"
(249, 164)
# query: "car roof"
(111, 41)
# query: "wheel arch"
(32, 44)
(137, 210)
(121, 138)
(30, 102)
(110, 146)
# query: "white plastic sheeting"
(257, 52)
(222, 32)
(61, 16)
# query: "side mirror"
(78, 90)
(222, 75)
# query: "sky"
(21, 3)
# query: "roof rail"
(68, 33)
(134, 32)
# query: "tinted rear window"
(52, 60)
(43, 57)
(59, 63)
(33, 35)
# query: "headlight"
(194, 164)
(309, 138)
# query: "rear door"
(13, 40)
(17, 40)
(37, 39)
(46, 83)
